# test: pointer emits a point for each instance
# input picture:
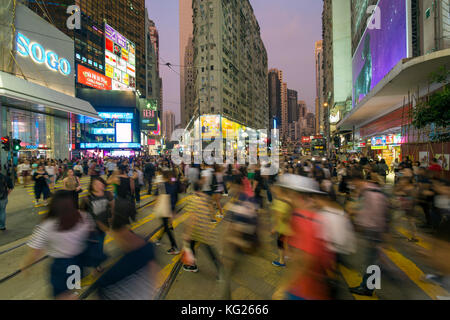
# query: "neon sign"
(39, 55)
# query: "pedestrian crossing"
(409, 267)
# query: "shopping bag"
(162, 207)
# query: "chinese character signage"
(93, 79)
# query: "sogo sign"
(39, 55)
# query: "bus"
(318, 147)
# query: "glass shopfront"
(42, 135)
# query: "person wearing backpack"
(6, 186)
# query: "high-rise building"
(187, 107)
(229, 63)
(152, 61)
(168, 124)
(275, 82)
(125, 16)
(293, 112)
(284, 111)
(319, 87)
(395, 47)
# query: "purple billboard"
(382, 46)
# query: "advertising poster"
(121, 40)
(119, 86)
(123, 132)
(124, 54)
(122, 65)
(109, 45)
(120, 54)
(118, 51)
(131, 48)
(131, 70)
(132, 59)
(110, 33)
(132, 82)
(379, 141)
(149, 119)
(210, 126)
(117, 75)
(227, 127)
(380, 49)
(423, 159)
(93, 79)
(109, 71)
(443, 160)
(110, 58)
(390, 139)
(125, 78)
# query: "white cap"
(299, 183)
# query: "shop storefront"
(387, 147)
(118, 130)
(37, 88)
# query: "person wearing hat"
(306, 274)
(282, 211)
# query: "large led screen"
(120, 60)
(381, 47)
(123, 132)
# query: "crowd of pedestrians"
(317, 211)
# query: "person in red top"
(434, 166)
(306, 274)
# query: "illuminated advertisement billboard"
(123, 132)
(210, 126)
(92, 78)
(381, 47)
(120, 60)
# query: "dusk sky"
(289, 30)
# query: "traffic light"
(16, 144)
(6, 144)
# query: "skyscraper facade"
(125, 16)
(229, 63)
(168, 124)
(319, 87)
(275, 82)
(187, 107)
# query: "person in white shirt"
(207, 177)
(63, 236)
(50, 168)
(24, 170)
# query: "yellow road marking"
(408, 235)
(91, 278)
(415, 274)
(353, 279)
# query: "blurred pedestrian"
(6, 186)
(63, 235)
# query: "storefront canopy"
(389, 94)
(19, 93)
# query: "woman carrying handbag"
(165, 207)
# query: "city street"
(320, 127)
(403, 263)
